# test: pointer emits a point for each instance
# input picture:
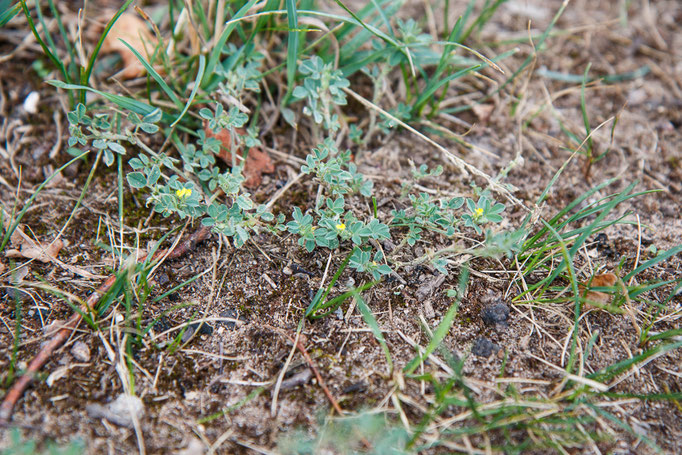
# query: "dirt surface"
(251, 299)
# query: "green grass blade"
(85, 75)
(9, 13)
(123, 102)
(292, 48)
(651, 262)
(568, 260)
(611, 371)
(50, 55)
(376, 32)
(197, 83)
(13, 225)
(65, 36)
(583, 110)
(599, 410)
(154, 74)
(374, 327)
(430, 90)
(482, 18)
(220, 44)
(443, 327)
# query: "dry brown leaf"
(603, 280)
(28, 249)
(483, 111)
(133, 31)
(257, 161)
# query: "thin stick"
(311, 364)
(63, 334)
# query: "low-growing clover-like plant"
(98, 132)
(331, 222)
(322, 89)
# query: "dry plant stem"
(309, 361)
(63, 334)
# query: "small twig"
(311, 364)
(63, 334)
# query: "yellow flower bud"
(341, 226)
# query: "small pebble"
(81, 352)
(14, 294)
(231, 313)
(483, 347)
(204, 329)
(497, 313)
(31, 102)
(119, 412)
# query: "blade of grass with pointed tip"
(617, 368)
(292, 48)
(123, 102)
(154, 74)
(521, 68)
(443, 327)
(362, 36)
(62, 32)
(9, 13)
(568, 260)
(197, 83)
(15, 223)
(220, 44)
(483, 17)
(624, 425)
(378, 33)
(430, 90)
(583, 110)
(661, 257)
(85, 75)
(42, 44)
(368, 316)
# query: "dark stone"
(483, 347)
(295, 268)
(232, 314)
(496, 313)
(161, 324)
(357, 387)
(204, 329)
(162, 278)
(14, 294)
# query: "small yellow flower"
(479, 211)
(313, 228)
(183, 193)
(341, 226)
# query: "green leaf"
(155, 75)
(197, 83)
(136, 180)
(9, 13)
(374, 327)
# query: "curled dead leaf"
(257, 162)
(29, 249)
(133, 31)
(483, 111)
(597, 297)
